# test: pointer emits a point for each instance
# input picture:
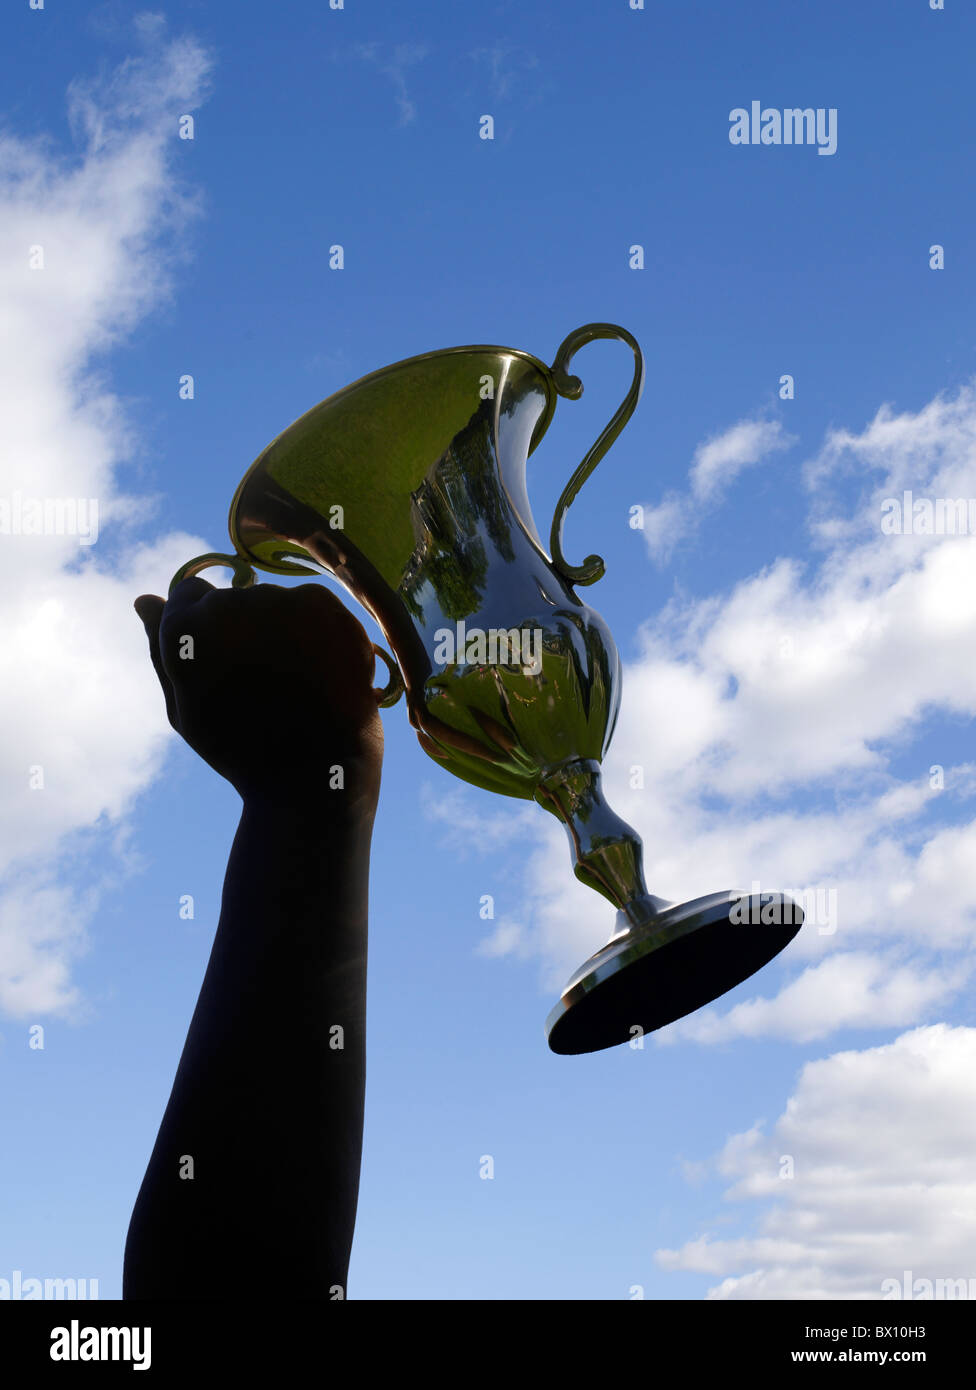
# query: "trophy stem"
(664, 960)
(607, 852)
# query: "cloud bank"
(89, 243)
(866, 1177)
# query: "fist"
(272, 686)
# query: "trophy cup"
(409, 486)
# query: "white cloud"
(393, 61)
(723, 457)
(506, 939)
(716, 464)
(881, 1145)
(507, 66)
(846, 990)
(465, 827)
(671, 521)
(78, 698)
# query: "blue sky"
(792, 674)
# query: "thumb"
(150, 609)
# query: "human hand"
(272, 686)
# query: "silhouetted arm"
(268, 1097)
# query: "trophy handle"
(392, 691)
(245, 577)
(592, 567)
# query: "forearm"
(268, 1097)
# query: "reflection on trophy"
(409, 486)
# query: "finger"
(179, 606)
(327, 607)
(150, 607)
(189, 591)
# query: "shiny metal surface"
(409, 486)
(656, 970)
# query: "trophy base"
(681, 958)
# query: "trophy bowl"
(409, 487)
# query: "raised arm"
(267, 1105)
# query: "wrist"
(337, 794)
